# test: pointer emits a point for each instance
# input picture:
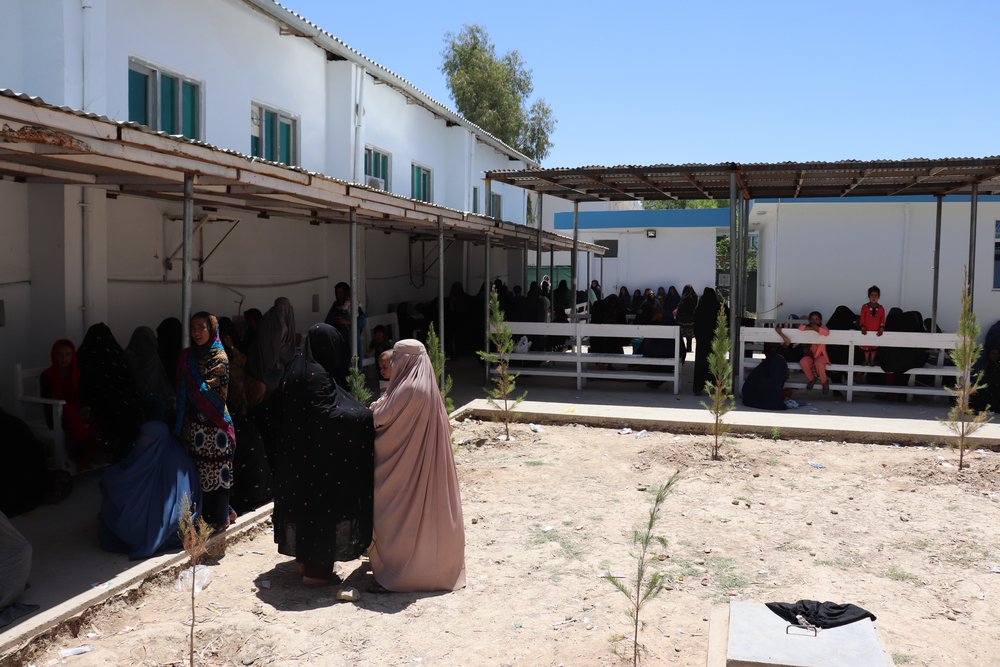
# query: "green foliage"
(436, 354)
(964, 420)
(720, 386)
(648, 581)
(775, 433)
(357, 385)
(722, 254)
(492, 91)
(196, 536)
(674, 204)
(501, 396)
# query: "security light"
(650, 233)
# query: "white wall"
(677, 256)
(817, 256)
(15, 290)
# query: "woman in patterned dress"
(203, 422)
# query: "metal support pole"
(573, 259)
(353, 217)
(734, 331)
(186, 261)
(441, 295)
(974, 209)
(937, 262)
(538, 247)
(552, 270)
(601, 260)
(744, 264)
(486, 310)
(586, 286)
(524, 265)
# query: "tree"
(357, 385)
(505, 382)
(436, 355)
(673, 204)
(719, 387)
(964, 420)
(492, 91)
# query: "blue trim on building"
(901, 199)
(684, 217)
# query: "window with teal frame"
(163, 101)
(495, 209)
(377, 165)
(273, 135)
(420, 183)
(475, 199)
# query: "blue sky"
(650, 82)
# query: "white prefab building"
(813, 254)
(247, 76)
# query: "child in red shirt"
(872, 318)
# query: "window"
(996, 255)
(420, 183)
(164, 101)
(475, 200)
(273, 135)
(495, 209)
(377, 166)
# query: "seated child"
(815, 358)
(380, 342)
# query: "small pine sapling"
(196, 537)
(357, 385)
(720, 386)
(648, 581)
(963, 420)
(436, 354)
(504, 381)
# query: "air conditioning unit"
(375, 182)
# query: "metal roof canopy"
(791, 180)
(41, 143)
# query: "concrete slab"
(758, 638)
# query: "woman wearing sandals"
(323, 460)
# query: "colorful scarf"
(194, 364)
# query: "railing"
(923, 341)
(580, 364)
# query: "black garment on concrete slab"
(820, 614)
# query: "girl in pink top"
(872, 318)
(816, 358)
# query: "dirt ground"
(895, 530)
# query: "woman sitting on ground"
(324, 460)
(203, 421)
(419, 542)
(764, 388)
(142, 496)
(157, 392)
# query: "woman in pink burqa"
(419, 542)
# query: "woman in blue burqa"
(141, 496)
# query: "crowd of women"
(247, 416)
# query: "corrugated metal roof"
(845, 178)
(45, 146)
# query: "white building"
(254, 78)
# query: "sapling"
(648, 581)
(357, 385)
(963, 420)
(719, 387)
(501, 396)
(195, 535)
(436, 354)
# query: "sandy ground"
(898, 531)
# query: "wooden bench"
(753, 336)
(30, 407)
(577, 362)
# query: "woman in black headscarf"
(169, 341)
(107, 386)
(672, 300)
(324, 460)
(275, 345)
(633, 306)
(705, 317)
(156, 390)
